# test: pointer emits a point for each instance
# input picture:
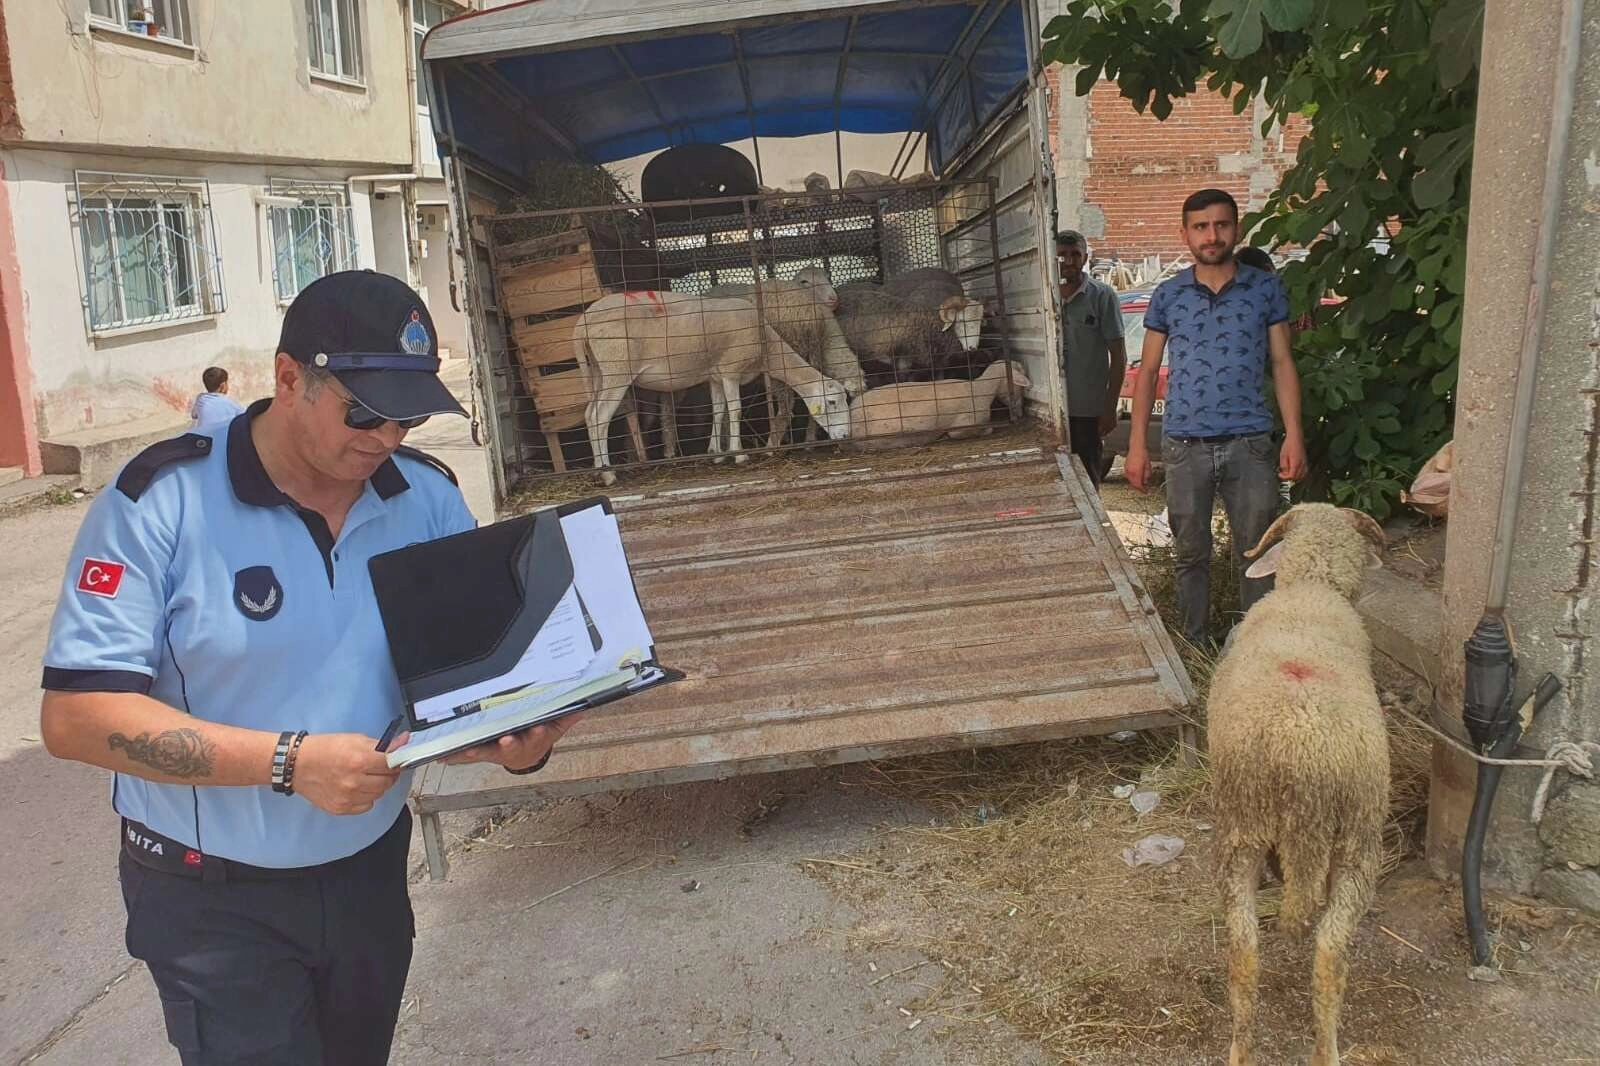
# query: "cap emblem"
(414, 338)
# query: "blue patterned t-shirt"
(1217, 351)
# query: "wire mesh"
(148, 249)
(647, 333)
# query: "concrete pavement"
(670, 924)
(61, 922)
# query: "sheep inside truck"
(1300, 760)
(668, 341)
(952, 408)
(913, 327)
(800, 310)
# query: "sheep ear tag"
(1374, 561)
(1267, 565)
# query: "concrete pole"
(1554, 568)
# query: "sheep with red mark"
(1300, 760)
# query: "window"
(147, 250)
(335, 36)
(171, 17)
(316, 237)
(425, 14)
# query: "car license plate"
(1125, 406)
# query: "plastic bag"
(1430, 492)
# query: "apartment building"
(174, 172)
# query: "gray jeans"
(1245, 471)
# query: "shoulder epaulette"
(423, 457)
(142, 468)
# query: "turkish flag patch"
(100, 578)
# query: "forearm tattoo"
(177, 752)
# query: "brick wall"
(10, 124)
(1139, 170)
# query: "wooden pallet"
(543, 284)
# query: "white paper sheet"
(600, 572)
(561, 651)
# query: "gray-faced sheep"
(1300, 760)
(883, 327)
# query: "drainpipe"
(408, 192)
(1489, 711)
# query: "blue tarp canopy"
(605, 80)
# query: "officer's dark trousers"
(303, 970)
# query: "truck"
(860, 609)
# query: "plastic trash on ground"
(1144, 801)
(1153, 850)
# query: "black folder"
(464, 609)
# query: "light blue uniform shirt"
(213, 593)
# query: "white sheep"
(801, 310)
(668, 341)
(1300, 760)
(883, 327)
(949, 408)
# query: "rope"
(1576, 758)
(1469, 753)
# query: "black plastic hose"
(1504, 746)
(1472, 847)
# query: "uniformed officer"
(217, 645)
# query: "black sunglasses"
(358, 415)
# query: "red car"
(1134, 304)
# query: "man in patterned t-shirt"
(1222, 324)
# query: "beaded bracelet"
(283, 760)
(288, 766)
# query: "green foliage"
(1390, 87)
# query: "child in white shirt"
(213, 406)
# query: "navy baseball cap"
(374, 334)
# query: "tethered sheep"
(1300, 760)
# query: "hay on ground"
(1019, 885)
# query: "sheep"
(667, 341)
(882, 327)
(1300, 759)
(924, 286)
(953, 408)
(801, 311)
